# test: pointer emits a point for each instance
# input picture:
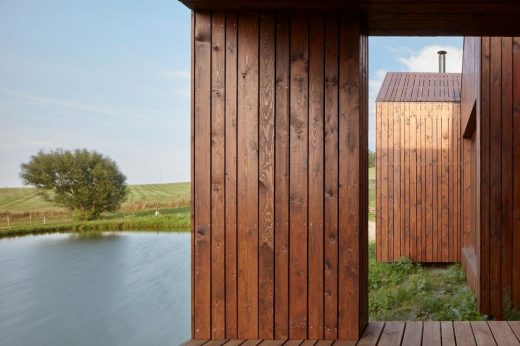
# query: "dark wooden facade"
(418, 167)
(279, 176)
(491, 114)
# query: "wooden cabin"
(418, 167)
(279, 163)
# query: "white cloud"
(175, 74)
(427, 59)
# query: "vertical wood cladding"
(280, 135)
(494, 86)
(419, 180)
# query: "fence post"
(8, 222)
(44, 220)
(30, 219)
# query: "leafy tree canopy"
(83, 181)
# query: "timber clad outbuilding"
(418, 167)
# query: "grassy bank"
(174, 219)
(408, 291)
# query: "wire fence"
(27, 220)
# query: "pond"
(104, 289)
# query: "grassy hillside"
(139, 197)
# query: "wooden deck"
(405, 333)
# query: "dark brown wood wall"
(280, 136)
(418, 181)
(498, 122)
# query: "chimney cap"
(442, 52)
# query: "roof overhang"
(400, 17)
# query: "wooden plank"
(405, 251)
(331, 178)
(484, 176)
(248, 176)
(419, 146)
(293, 343)
(515, 326)
(463, 333)
(371, 334)
(272, 343)
(379, 190)
(431, 333)
(231, 176)
(251, 342)
(413, 182)
(309, 342)
(506, 206)
(384, 183)
(495, 179)
(482, 333)
(316, 177)
(392, 333)
(194, 342)
(503, 333)
(404, 183)
(445, 209)
(298, 181)
(412, 333)
(397, 182)
(218, 102)
(281, 296)
(435, 184)
(390, 181)
(429, 187)
(266, 176)
(192, 188)
(202, 178)
(235, 342)
(447, 333)
(216, 342)
(324, 342)
(351, 183)
(516, 172)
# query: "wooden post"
(8, 223)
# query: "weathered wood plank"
(266, 182)
(218, 101)
(431, 333)
(412, 333)
(482, 333)
(392, 333)
(503, 333)
(248, 175)
(448, 334)
(516, 172)
(351, 183)
(331, 178)
(231, 176)
(202, 178)
(281, 296)
(299, 136)
(371, 334)
(463, 333)
(316, 177)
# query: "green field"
(140, 197)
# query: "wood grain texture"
(270, 111)
(248, 33)
(298, 207)
(202, 177)
(266, 176)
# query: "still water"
(106, 289)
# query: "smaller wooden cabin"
(419, 167)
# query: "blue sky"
(113, 76)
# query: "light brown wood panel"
(423, 180)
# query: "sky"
(114, 76)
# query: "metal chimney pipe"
(442, 61)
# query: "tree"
(83, 181)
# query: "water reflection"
(101, 289)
